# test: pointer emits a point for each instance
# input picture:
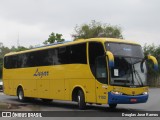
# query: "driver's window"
(101, 71)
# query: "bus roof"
(54, 45)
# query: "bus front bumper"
(126, 99)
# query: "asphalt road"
(153, 104)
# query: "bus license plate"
(133, 100)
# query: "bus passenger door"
(101, 80)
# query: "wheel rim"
(20, 95)
(79, 98)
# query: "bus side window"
(78, 54)
(101, 71)
(95, 50)
(63, 55)
(10, 62)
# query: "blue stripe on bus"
(125, 99)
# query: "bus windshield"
(127, 50)
(127, 71)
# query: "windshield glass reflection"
(127, 72)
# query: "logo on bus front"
(40, 73)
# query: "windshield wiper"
(137, 74)
(129, 73)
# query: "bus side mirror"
(110, 59)
(154, 60)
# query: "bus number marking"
(102, 97)
(41, 73)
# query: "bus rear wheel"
(112, 106)
(20, 95)
(81, 100)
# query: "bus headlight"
(145, 93)
(116, 92)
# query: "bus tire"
(20, 94)
(112, 106)
(81, 100)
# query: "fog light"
(116, 92)
(145, 93)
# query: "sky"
(30, 22)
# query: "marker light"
(145, 93)
(116, 92)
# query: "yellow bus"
(96, 71)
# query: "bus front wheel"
(20, 95)
(81, 100)
(112, 106)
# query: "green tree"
(97, 29)
(3, 51)
(20, 48)
(153, 76)
(54, 38)
(13, 49)
(1, 66)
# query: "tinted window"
(78, 54)
(101, 70)
(10, 62)
(95, 50)
(52, 57)
(22, 60)
(63, 55)
(121, 49)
